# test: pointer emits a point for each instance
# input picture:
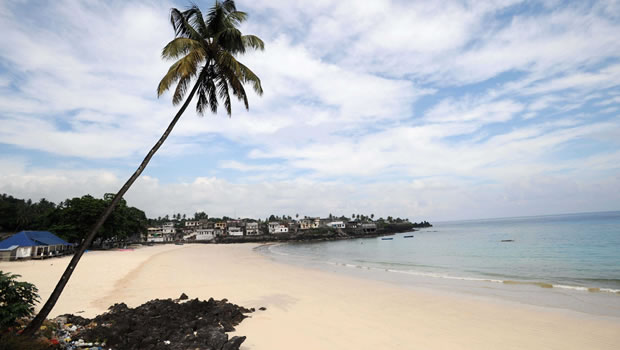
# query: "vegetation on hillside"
(71, 218)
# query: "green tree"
(204, 48)
(200, 216)
(17, 299)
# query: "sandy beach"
(312, 309)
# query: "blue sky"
(426, 110)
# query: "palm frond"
(181, 89)
(202, 98)
(183, 69)
(236, 84)
(227, 61)
(253, 41)
(228, 5)
(222, 90)
(211, 90)
(195, 18)
(230, 39)
(180, 47)
(250, 77)
(169, 79)
(236, 17)
(182, 28)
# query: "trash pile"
(158, 324)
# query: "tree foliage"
(74, 217)
(19, 214)
(17, 299)
(71, 218)
(204, 48)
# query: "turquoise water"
(578, 252)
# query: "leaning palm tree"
(204, 50)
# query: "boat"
(387, 239)
(410, 236)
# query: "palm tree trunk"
(36, 323)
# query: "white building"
(336, 224)
(191, 223)
(235, 231)
(251, 228)
(168, 229)
(205, 234)
(273, 226)
(154, 234)
(276, 227)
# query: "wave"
(540, 284)
(274, 250)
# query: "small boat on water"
(410, 236)
(387, 239)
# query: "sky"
(423, 110)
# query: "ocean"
(567, 261)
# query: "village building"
(251, 228)
(235, 231)
(282, 229)
(336, 224)
(192, 223)
(220, 225)
(272, 226)
(316, 223)
(205, 234)
(305, 224)
(156, 234)
(33, 244)
(276, 227)
(236, 223)
(218, 232)
(308, 223)
(369, 228)
(168, 228)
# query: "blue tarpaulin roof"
(32, 238)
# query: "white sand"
(310, 309)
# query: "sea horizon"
(524, 216)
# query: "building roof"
(32, 238)
(13, 247)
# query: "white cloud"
(380, 106)
(432, 199)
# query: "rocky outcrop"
(165, 324)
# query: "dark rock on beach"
(165, 324)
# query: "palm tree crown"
(204, 48)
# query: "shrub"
(17, 299)
(10, 341)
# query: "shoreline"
(527, 293)
(312, 309)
